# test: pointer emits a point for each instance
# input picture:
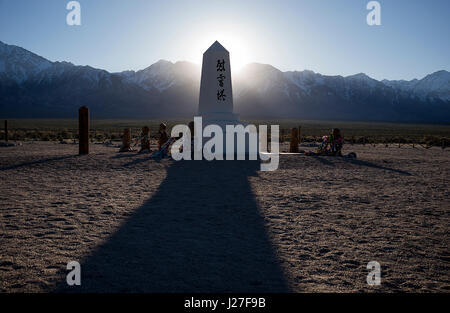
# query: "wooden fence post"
(145, 139)
(126, 140)
(293, 146)
(83, 130)
(6, 131)
(299, 135)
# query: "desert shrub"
(100, 137)
(115, 137)
(308, 139)
(18, 135)
(433, 141)
(48, 136)
(360, 140)
(64, 134)
(33, 135)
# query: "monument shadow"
(201, 231)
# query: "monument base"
(222, 120)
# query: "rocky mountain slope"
(32, 86)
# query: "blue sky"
(327, 36)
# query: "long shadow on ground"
(369, 164)
(325, 161)
(36, 162)
(200, 232)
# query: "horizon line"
(251, 63)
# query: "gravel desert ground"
(141, 225)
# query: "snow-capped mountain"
(162, 75)
(31, 86)
(19, 64)
(434, 85)
(305, 94)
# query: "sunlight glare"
(234, 44)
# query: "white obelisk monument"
(216, 95)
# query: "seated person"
(162, 135)
(331, 144)
(191, 129)
(145, 139)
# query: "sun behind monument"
(216, 95)
(239, 56)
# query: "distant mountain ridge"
(32, 86)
